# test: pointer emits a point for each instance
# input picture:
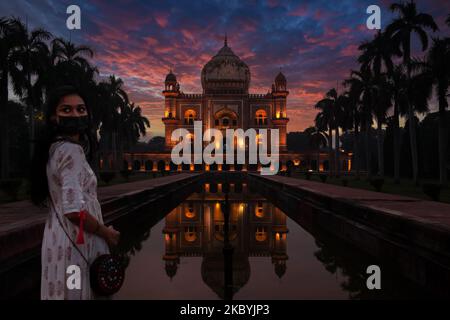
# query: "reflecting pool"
(260, 253)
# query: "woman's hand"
(112, 236)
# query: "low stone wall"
(417, 248)
(22, 241)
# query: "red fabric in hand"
(82, 217)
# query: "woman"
(63, 180)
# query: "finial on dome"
(226, 40)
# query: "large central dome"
(225, 73)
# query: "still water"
(190, 252)
(267, 255)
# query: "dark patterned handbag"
(106, 273)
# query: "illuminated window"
(190, 234)
(189, 116)
(261, 234)
(190, 213)
(259, 210)
(261, 117)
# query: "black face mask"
(73, 125)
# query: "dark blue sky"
(314, 42)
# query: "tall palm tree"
(436, 71)
(134, 124)
(399, 84)
(28, 57)
(352, 122)
(400, 31)
(377, 53)
(322, 123)
(340, 119)
(363, 86)
(317, 140)
(383, 102)
(326, 120)
(9, 41)
(67, 51)
(112, 102)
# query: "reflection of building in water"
(195, 229)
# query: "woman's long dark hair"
(39, 191)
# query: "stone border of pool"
(22, 224)
(414, 242)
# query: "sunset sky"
(313, 42)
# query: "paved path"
(18, 215)
(410, 208)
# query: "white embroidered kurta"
(73, 188)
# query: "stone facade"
(225, 102)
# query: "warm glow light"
(277, 236)
(166, 114)
(278, 115)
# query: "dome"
(225, 73)
(213, 272)
(171, 77)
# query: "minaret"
(279, 118)
(170, 119)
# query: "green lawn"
(405, 188)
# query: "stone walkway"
(23, 213)
(436, 213)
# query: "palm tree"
(363, 86)
(340, 119)
(28, 57)
(68, 52)
(134, 125)
(317, 140)
(436, 73)
(400, 31)
(399, 84)
(375, 54)
(325, 119)
(112, 102)
(352, 122)
(322, 123)
(383, 102)
(9, 41)
(378, 52)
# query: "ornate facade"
(225, 102)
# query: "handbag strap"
(73, 243)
